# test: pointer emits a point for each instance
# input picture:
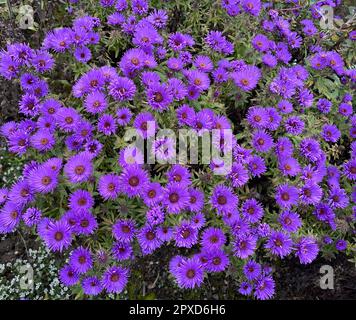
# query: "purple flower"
(264, 288)
(306, 250)
(350, 169)
(57, 235)
(245, 245)
(223, 199)
(148, 239)
(32, 216)
(81, 260)
(252, 210)
(252, 270)
(124, 230)
(189, 274)
(310, 193)
(133, 180)
(279, 244)
(115, 279)
(122, 89)
(247, 78)
(81, 200)
(330, 133)
(262, 141)
(78, 168)
(176, 197)
(286, 196)
(290, 221)
(107, 125)
(109, 186)
(10, 216)
(185, 235)
(92, 286)
(68, 276)
(212, 238)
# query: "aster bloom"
(21, 193)
(57, 235)
(78, 168)
(185, 235)
(217, 41)
(155, 215)
(213, 238)
(3, 195)
(311, 193)
(350, 169)
(217, 260)
(338, 198)
(68, 276)
(123, 116)
(159, 96)
(10, 216)
(257, 166)
(133, 180)
(262, 141)
(92, 286)
(341, 245)
(245, 245)
(252, 210)
(279, 244)
(107, 124)
(148, 239)
(122, 251)
(286, 196)
(67, 119)
(252, 270)
(290, 221)
(81, 260)
(179, 174)
(176, 197)
(124, 230)
(145, 124)
(85, 223)
(330, 133)
(306, 250)
(196, 200)
(238, 175)
(247, 79)
(122, 89)
(32, 216)
(324, 105)
(81, 200)
(289, 166)
(95, 102)
(131, 155)
(189, 274)
(294, 125)
(152, 194)
(43, 179)
(264, 288)
(245, 288)
(115, 279)
(223, 199)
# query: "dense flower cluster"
(164, 76)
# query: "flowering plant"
(274, 100)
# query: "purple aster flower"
(123, 116)
(285, 106)
(81, 200)
(306, 250)
(164, 233)
(310, 193)
(286, 196)
(122, 89)
(261, 43)
(115, 279)
(159, 96)
(252, 270)
(196, 200)
(217, 260)
(68, 276)
(310, 149)
(289, 166)
(189, 274)
(4, 192)
(176, 197)
(245, 288)
(245, 245)
(21, 193)
(57, 235)
(10, 216)
(43, 140)
(262, 141)
(78, 168)
(247, 78)
(124, 230)
(107, 125)
(155, 215)
(294, 125)
(216, 41)
(279, 244)
(252, 210)
(152, 193)
(67, 119)
(350, 169)
(252, 7)
(145, 124)
(257, 166)
(133, 180)
(148, 239)
(85, 223)
(290, 221)
(324, 105)
(82, 54)
(95, 102)
(122, 251)
(32, 216)
(212, 238)
(178, 173)
(185, 235)
(92, 286)
(264, 288)
(345, 109)
(81, 260)
(223, 199)
(238, 175)
(330, 133)
(338, 198)
(341, 245)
